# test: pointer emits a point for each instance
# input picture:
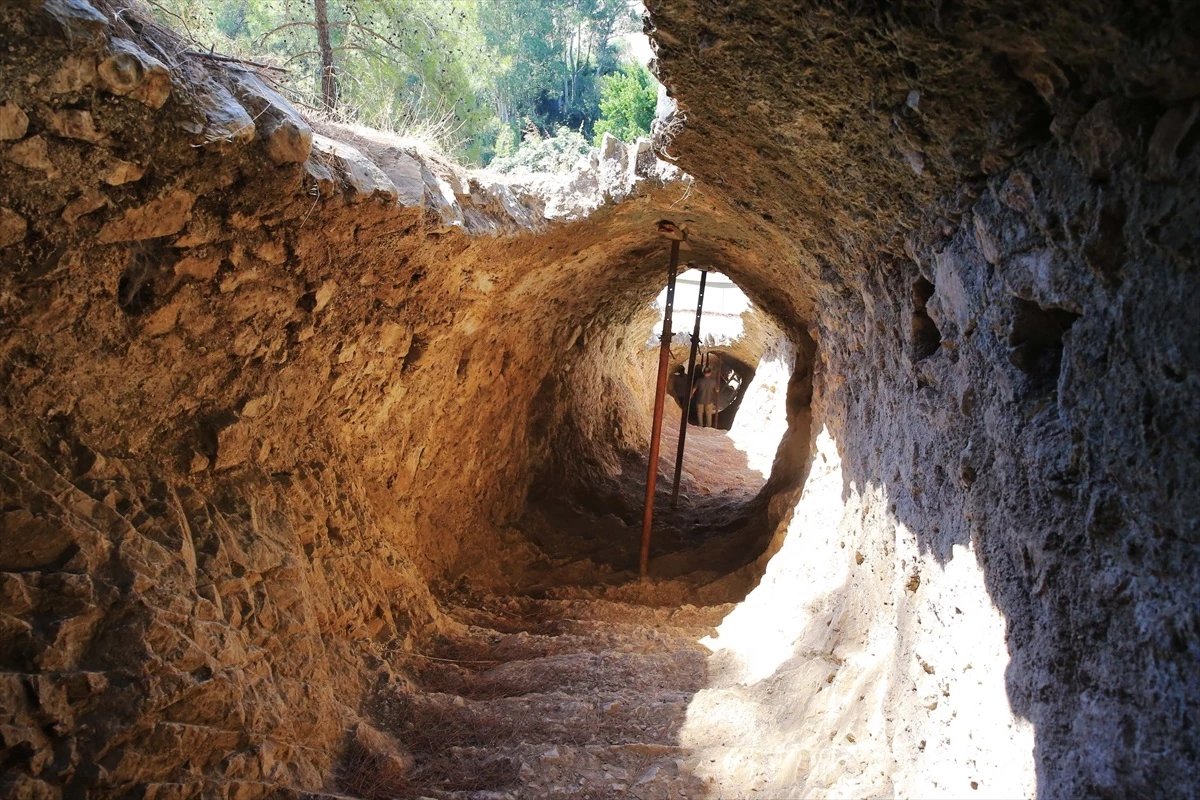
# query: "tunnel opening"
(591, 423)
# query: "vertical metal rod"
(664, 361)
(687, 398)
(717, 405)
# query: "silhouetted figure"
(705, 392)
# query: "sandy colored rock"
(131, 71)
(12, 227)
(75, 74)
(74, 124)
(91, 200)
(119, 173)
(200, 267)
(13, 121)
(33, 154)
(163, 321)
(163, 216)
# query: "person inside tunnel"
(705, 394)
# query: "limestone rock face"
(362, 178)
(131, 71)
(288, 138)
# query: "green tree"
(468, 74)
(627, 102)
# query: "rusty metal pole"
(664, 361)
(717, 405)
(687, 398)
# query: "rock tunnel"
(321, 456)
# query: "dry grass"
(374, 776)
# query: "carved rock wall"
(261, 387)
(995, 205)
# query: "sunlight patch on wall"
(761, 422)
(860, 666)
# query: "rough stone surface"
(120, 172)
(12, 227)
(288, 138)
(274, 444)
(131, 71)
(1042, 437)
(13, 121)
(33, 154)
(162, 216)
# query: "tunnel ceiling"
(857, 129)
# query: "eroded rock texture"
(1002, 278)
(267, 391)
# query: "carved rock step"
(533, 612)
(487, 646)
(576, 672)
(433, 722)
(557, 771)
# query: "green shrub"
(627, 102)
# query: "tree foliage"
(474, 75)
(557, 153)
(627, 102)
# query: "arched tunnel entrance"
(322, 458)
(594, 411)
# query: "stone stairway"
(566, 696)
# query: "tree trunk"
(328, 78)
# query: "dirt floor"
(561, 696)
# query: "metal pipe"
(720, 383)
(664, 361)
(687, 398)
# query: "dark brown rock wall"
(1004, 291)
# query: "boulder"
(12, 227)
(287, 137)
(225, 125)
(163, 216)
(359, 174)
(78, 19)
(405, 172)
(133, 72)
(13, 121)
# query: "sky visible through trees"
(510, 83)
